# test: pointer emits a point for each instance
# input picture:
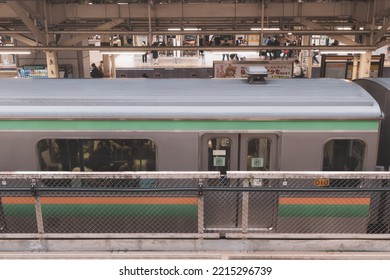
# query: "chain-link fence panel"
(323, 203)
(120, 205)
(18, 206)
(196, 203)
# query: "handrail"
(110, 175)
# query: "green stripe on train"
(103, 210)
(186, 125)
(19, 210)
(120, 210)
(334, 211)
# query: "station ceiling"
(65, 24)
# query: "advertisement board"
(236, 69)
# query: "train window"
(219, 154)
(97, 155)
(344, 155)
(259, 154)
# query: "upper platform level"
(63, 24)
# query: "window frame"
(361, 162)
(151, 154)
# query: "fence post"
(38, 207)
(200, 207)
(245, 207)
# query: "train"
(187, 125)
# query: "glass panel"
(49, 157)
(219, 154)
(97, 155)
(259, 154)
(344, 155)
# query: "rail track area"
(277, 215)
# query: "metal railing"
(194, 204)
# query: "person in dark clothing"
(95, 71)
(201, 44)
(155, 57)
(102, 156)
(217, 41)
(276, 42)
(314, 57)
(155, 54)
(101, 69)
(270, 53)
(145, 55)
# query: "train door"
(244, 152)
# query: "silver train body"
(188, 125)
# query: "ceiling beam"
(34, 13)
(21, 38)
(312, 25)
(382, 44)
(25, 18)
(381, 33)
(104, 26)
(186, 48)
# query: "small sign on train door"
(219, 161)
(257, 162)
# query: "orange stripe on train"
(325, 200)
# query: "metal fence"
(197, 204)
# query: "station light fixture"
(185, 29)
(15, 52)
(265, 28)
(121, 52)
(343, 52)
(344, 28)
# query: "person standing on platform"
(145, 55)
(269, 53)
(315, 53)
(286, 52)
(276, 52)
(225, 44)
(155, 55)
(101, 69)
(294, 53)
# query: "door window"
(259, 154)
(219, 152)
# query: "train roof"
(185, 99)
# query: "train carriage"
(189, 125)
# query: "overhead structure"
(65, 25)
(35, 22)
